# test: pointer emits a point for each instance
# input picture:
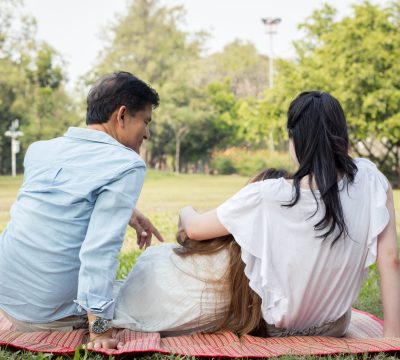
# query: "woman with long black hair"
(307, 242)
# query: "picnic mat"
(364, 335)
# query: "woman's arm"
(201, 226)
(389, 268)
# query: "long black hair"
(317, 126)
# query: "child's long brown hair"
(243, 315)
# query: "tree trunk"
(179, 135)
(271, 145)
(207, 166)
(1, 155)
(177, 153)
(398, 166)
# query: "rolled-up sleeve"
(105, 234)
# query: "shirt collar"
(92, 135)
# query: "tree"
(147, 41)
(183, 107)
(52, 110)
(224, 106)
(31, 83)
(241, 63)
(355, 59)
(14, 45)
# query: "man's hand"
(103, 341)
(144, 229)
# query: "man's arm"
(389, 268)
(100, 249)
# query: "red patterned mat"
(364, 335)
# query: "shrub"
(248, 162)
(222, 165)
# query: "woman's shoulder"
(367, 170)
(363, 163)
(366, 166)
(276, 189)
(258, 191)
(369, 181)
(265, 190)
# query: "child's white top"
(171, 294)
(301, 279)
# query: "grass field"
(162, 197)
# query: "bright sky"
(74, 27)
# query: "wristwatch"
(99, 326)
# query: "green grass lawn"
(162, 196)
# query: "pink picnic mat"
(364, 335)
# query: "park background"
(220, 119)
(219, 112)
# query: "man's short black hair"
(115, 90)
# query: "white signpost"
(13, 133)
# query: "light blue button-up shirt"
(58, 254)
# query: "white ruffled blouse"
(301, 279)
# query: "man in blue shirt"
(58, 254)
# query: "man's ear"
(121, 112)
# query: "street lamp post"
(13, 133)
(272, 27)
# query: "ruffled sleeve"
(242, 215)
(245, 216)
(377, 187)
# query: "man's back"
(55, 213)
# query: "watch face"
(100, 326)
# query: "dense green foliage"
(32, 83)
(357, 60)
(202, 97)
(214, 102)
(218, 103)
